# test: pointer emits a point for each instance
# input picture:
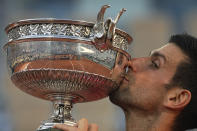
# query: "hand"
(119, 68)
(82, 126)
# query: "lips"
(125, 78)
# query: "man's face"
(144, 86)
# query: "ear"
(177, 98)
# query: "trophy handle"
(100, 18)
(104, 31)
(119, 15)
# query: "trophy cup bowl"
(65, 61)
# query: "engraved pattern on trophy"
(65, 61)
(61, 31)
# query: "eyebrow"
(158, 54)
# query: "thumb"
(83, 124)
(93, 127)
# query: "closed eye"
(155, 63)
(157, 59)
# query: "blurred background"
(149, 22)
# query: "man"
(159, 92)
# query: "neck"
(141, 121)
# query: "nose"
(137, 64)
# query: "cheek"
(147, 98)
(148, 79)
(147, 91)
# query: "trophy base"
(50, 129)
(49, 126)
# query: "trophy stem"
(61, 114)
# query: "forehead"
(172, 53)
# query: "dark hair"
(186, 77)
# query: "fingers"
(121, 62)
(65, 127)
(93, 127)
(124, 61)
(83, 124)
(121, 59)
(119, 69)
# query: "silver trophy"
(65, 61)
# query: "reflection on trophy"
(65, 61)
